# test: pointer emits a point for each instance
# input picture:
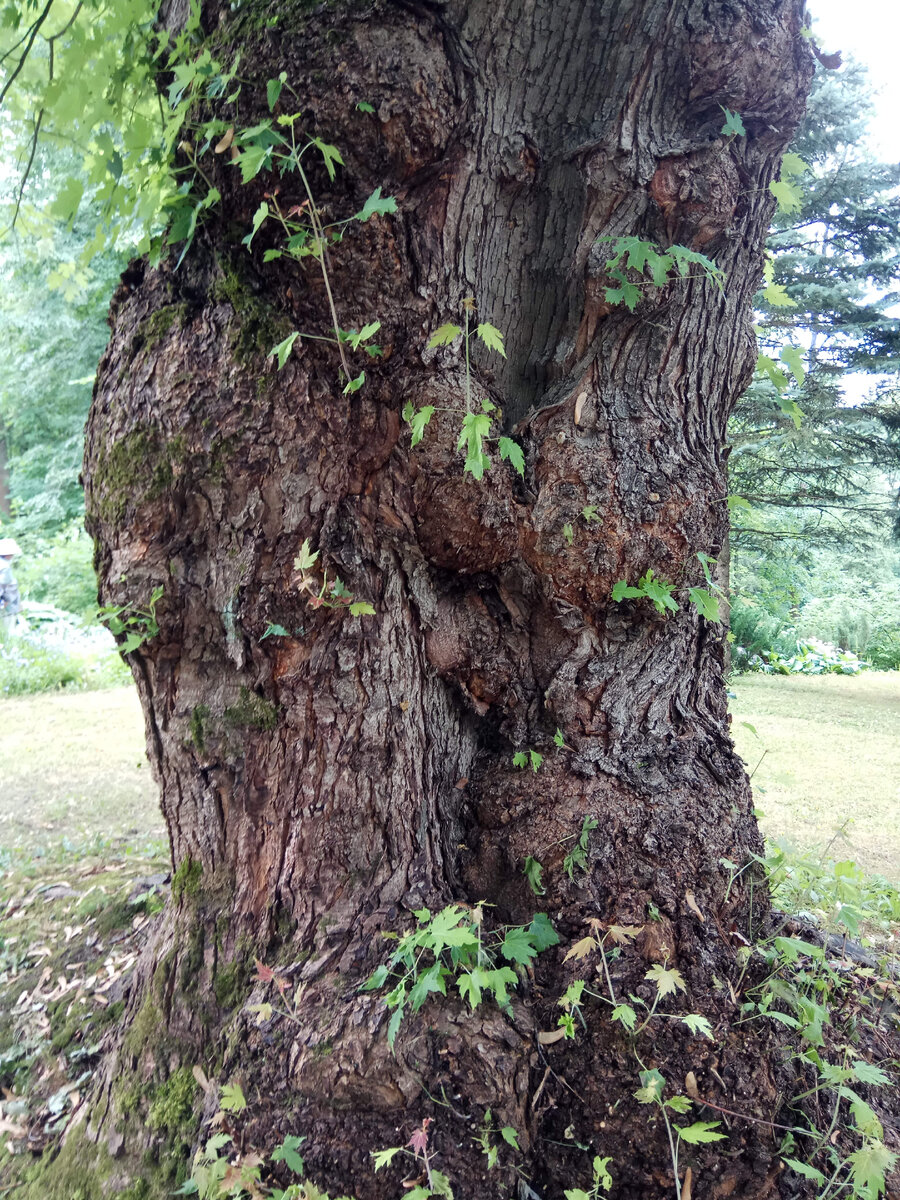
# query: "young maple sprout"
(476, 426)
(322, 595)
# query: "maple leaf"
(581, 949)
(667, 979)
(419, 1140)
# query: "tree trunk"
(320, 784)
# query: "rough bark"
(318, 787)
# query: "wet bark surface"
(318, 786)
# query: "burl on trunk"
(322, 781)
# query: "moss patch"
(199, 717)
(187, 879)
(138, 467)
(158, 324)
(252, 712)
(230, 983)
(144, 1028)
(258, 325)
(173, 1102)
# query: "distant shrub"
(48, 651)
(812, 657)
(59, 571)
(883, 651)
(753, 628)
(863, 620)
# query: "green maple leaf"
(330, 154)
(283, 349)
(533, 872)
(492, 337)
(429, 981)
(231, 1098)
(475, 428)
(517, 946)
(734, 126)
(792, 357)
(444, 335)
(512, 452)
(542, 933)
(418, 423)
(383, 1157)
(667, 980)
(705, 603)
(787, 195)
(376, 205)
(699, 1132)
(273, 89)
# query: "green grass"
(828, 753)
(75, 773)
(27, 668)
(826, 760)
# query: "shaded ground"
(74, 771)
(827, 756)
(71, 930)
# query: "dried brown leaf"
(686, 1186)
(199, 1074)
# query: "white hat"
(8, 547)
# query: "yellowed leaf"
(225, 141)
(581, 949)
(621, 934)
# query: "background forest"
(816, 439)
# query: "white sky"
(869, 31)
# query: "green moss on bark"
(158, 324)
(187, 880)
(199, 715)
(252, 712)
(258, 326)
(139, 467)
(173, 1102)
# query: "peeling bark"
(326, 783)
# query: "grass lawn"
(74, 772)
(74, 769)
(830, 753)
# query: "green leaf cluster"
(452, 946)
(651, 267)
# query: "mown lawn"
(74, 772)
(826, 759)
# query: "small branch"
(35, 29)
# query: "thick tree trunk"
(321, 785)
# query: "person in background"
(9, 589)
